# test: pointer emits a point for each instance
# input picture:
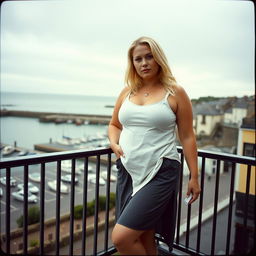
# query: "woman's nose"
(144, 62)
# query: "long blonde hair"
(133, 80)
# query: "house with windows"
(236, 113)
(206, 117)
(245, 178)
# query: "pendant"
(146, 94)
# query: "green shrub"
(112, 200)
(78, 211)
(102, 203)
(33, 216)
(33, 243)
(90, 208)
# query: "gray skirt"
(154, 206)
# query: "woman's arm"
(188, 140)
(115, 127)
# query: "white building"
(206, 117)
(236, 114)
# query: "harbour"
(57, 118)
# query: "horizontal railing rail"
(42, 159)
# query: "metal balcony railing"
(100, 156)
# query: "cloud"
(80, 46)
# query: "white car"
(19, 195)
(66, 166)
(13, 182)
(104, 175)
(92, 179)
(114, 168)
(1, 192)
(53, 186)
(35, 177)
(67, 178)
(31, 188)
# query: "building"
(245, 198)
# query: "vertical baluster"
(215, 207)
(84, 205)
(231, 193)
(42, 204)
(107, 203)
(57, 230)
(25, 211)
(8, 210)
(200, 206)
(96, 211)
(72, 202)
(188, 223)
(248, 178)
(179, 200)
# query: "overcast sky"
(80, 47)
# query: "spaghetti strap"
(166, 96)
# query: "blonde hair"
(133, 80)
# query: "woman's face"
(144, 63)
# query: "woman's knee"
(122, 237)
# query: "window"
(249, 150)
(203, 119)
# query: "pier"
(57, 118)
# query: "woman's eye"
(149, 57)
(138, 59)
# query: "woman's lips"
(145, 70)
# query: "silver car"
(13, 182)
(19, 195)
(31, 188)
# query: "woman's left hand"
(194, 189)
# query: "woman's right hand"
(117, 150)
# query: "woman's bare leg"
(127, 241)
(148, 241)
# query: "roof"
(248, 122)
(206, 109)
(241, 103)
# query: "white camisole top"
(148, 135)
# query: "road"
(50, 196)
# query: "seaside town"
(221, 125)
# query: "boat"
(104, 175)
(53, 186)
(35, 177)
(23, 153)
(8, 150)
(19, 195)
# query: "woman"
(142, 136)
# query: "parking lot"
(50, 195)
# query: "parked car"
(92, 179)
(31, 188)
(1, 192)
(66, 166)
(53, 186)
(104, 175)
(13, 182)
(35, 177)
(19, 195)
(114, 168)
(67, 178)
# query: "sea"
(26, 132)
